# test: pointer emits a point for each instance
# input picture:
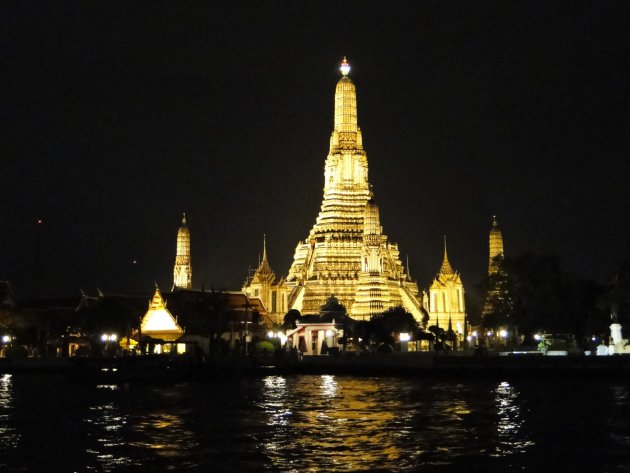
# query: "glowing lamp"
(6, 338)
(345, 67)
(503, 333)
(537, 337)
(270, 334)
(405, 337)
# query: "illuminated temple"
(182, 270)
(346, 253)
(446, 301)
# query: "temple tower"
(446, 297)
(496, 274)
(346, 254)
(265, 286)
(182, 271)
(495, 247)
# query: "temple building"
(346, 253)
(495, 267)
(158, 323)
(446, 298)
(271, 291)
(495, 247)
(182, 271)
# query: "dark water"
(315, 423)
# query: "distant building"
(265, 286)
(182, 272)
(495, 267)
(158, 322)
(495, 247)
(346, 253)
(446, 297)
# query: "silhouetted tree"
(290, 319)
(383, 327)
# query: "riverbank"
(172, 369)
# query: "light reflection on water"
(512, 437)
(9, 438)
(347, 420)
(311, 423)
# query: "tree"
(290, 319)
(533, 293)
(384, 326)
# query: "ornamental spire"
(182, 271)
(495, 247)
(446, 265)
(345, 102)
(345, 67)
(264, 258)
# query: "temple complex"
(346, 253)
(446, 297)
(182, 271)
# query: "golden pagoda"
(495, 247)
(495, 267)
(446, 297)
(158, 322)
(182, 271)
(346, 253)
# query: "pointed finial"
(264, 247)
(446, 265)
(345, 67)
(183, 218)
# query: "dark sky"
(119, 115)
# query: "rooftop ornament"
(345, 67)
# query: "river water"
(315, 423)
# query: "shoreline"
(169, 369)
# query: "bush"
(264, 348)
(16, 351)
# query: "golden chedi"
(182, 271)
(346, 253)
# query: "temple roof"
(158, 322)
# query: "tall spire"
(495, 246)
(182, 271)
(264, 258)
(346, 251)
(446, 265)
(345, 102)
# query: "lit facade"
(495, 247)
(446, 298)
(346, 253)
(495, 262)
(158, 322)
(182, 271)
(271, 291)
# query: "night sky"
(117, 116)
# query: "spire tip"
(345, 67)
